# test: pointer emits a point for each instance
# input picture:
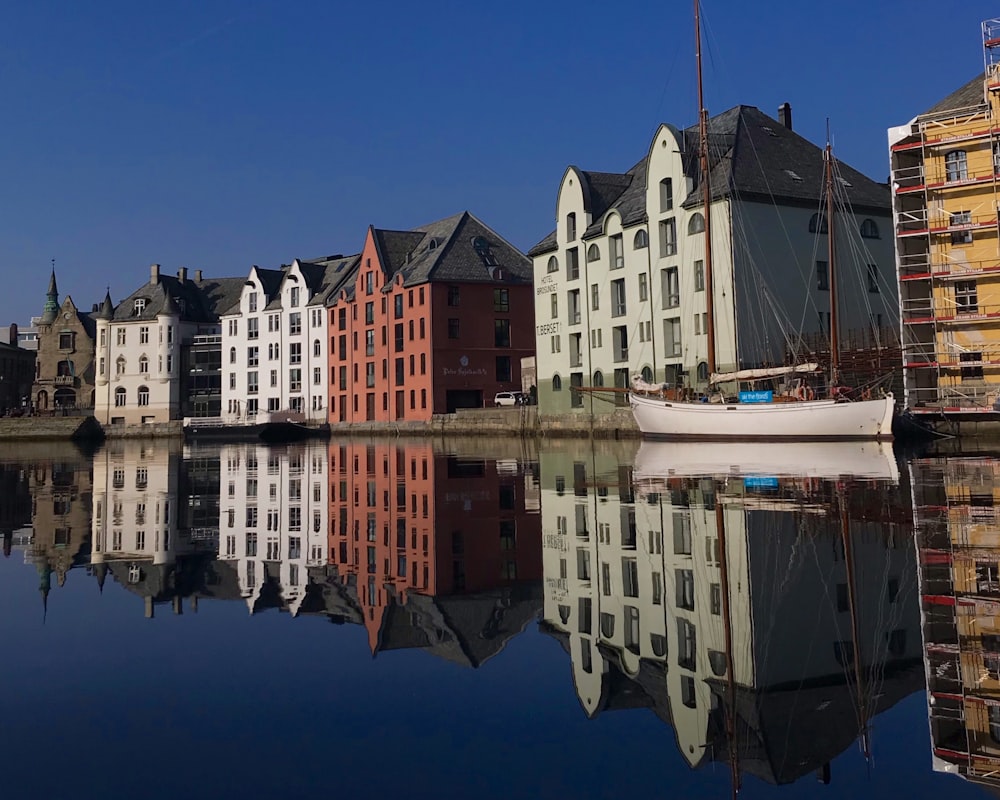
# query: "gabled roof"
(751, 155)
(968, 96)
(338, 273)
(198, 301)
(460, 248)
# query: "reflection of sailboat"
(795, 413)
(859, 459)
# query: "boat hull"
(813, 420)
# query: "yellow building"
(945, 166)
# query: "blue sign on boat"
(760, 482)
(757, 397)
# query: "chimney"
(785, 115)
(13, 335)
(154, 274)
(96, 308)
(182, 274)
(197, 276)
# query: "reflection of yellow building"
(945, 166)
(958, 535)
(634, 591)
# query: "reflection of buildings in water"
(15, 510)
(141, 533)
(273, 519)
(958, 541)
(438, 551)
(633, 590)
(61, 504)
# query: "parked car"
(509, 399)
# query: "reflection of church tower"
(44, 585)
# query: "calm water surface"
(493, 620)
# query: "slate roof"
(968, 96)
(751, 155)
(337, 273)
(446, 251)
(203, 300)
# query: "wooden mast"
(831, 271)
(706, 194)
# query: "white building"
(142, 344)
(620, 282)
(274, 507)
(274, 340)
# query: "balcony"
(64, 380)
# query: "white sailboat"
(796, 415)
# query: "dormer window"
(432, 244)
(138, 306)
(252, 302)
(482, 248)
(571, 227)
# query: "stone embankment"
(519, 421)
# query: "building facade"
(434, 319)
(620, 283)
(64, 367)
(146, 346)
(946, 175)
(17, 370)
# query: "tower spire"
(51, 308)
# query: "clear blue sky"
(217, 134)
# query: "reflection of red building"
(405, 521)
(436, 319)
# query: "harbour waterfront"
(509, 618)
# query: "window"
(972, 365)
(598, 378)
(962, 236)
(274, 321)
(617, 253)
(554, 303)
(120, 366)
(869, 230)
(817, 225)
(619, 337)
(822, 276)
(686, 644)
(556, 384)
(253, 356)
(702, 371)
(556, 344)
(370, 342)
(699, 276)
(696, 224)
(293, 297)
(553, 265)
(670, 287)
(630, 577)
(253, 328)
(595, 296)
(295, 380)
(452, 328)
(295, 323)
(453, 296)
(570, 227)
(593, 253)
(501, 302)
(641, 240)
(232, 355)
(143, 396)
(572, 264)
(573, 306)
(956, 166)
(143, 365)
(618, 298)
(121, 335)
(295, 353)
(666, 195)
(370, 374)
(688, 697)
(138, 306)
(119, 397)
(143, 338)
(873, 278)
(252, 382)
(643, 288)
(966, 297)
(501, 333)
(668, 237)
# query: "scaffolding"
(949, 365)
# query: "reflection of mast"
(720, 526)
(845, 532)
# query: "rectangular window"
(672, 337)
(369, 313)
(295, 380)
(618, 298)
(294, 297)
(370, 374)
(668, 237)
(822, 276)
(66, 339)
(666, 195)
(295, 323)
(573, 306)
(595, 296)
(556, 346)
(630, 577)
(966, 297)
(972, 365)
(670, 287)
(252, 382)
(453, 296)
(620, 336)
(699, 276)
(956, 166)
(961, 218)
(317, 376)
(501, 333)
(253, 356)
(295, 353)
(501, 300)
(643, 288)
(873, 278)
(370, 342)
(616, 252)
(452, 328)
(253, 329)
(572, 264)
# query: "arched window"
(316, 347)
(556, 383)
(598, 378)
(815, 225)
(120, 365)
(641, 240)
(553, 264)
(717, 661)
(659, 644)
(232, 355)
(593, 253)
(869, 230)
(143, 365)
(607, 625)
(647, 374)
(570, 227)
(64, 369)
(702, 371)
(143, 395)
(119, 397)
(696, 224)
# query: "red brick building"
(435, 319)
(404, 520)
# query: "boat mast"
(706, 194)
(831, 271)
